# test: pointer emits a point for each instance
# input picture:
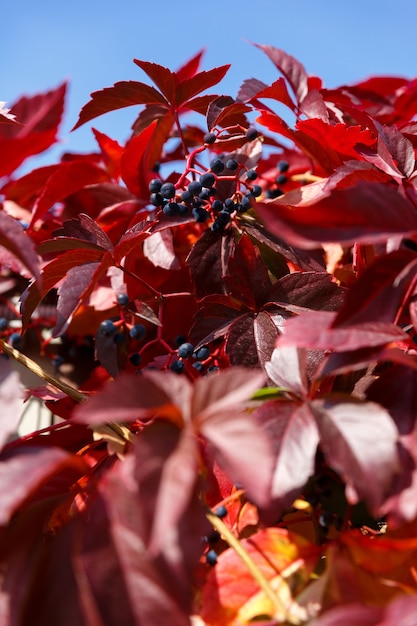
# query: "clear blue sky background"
(91, 43)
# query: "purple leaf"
(14, 238)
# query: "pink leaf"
(159, 249)
(287, 368)
(359, 441)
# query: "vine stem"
(72, 392)
(280, 611)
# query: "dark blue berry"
(202, 353)
(167, 190)
(274, 193)
(171, 209)
(204, 194)
(15, 340)
(246, 203)
(216, 166)
(221, 511)
(198, 366)
(283, 166)
(251, 175)
(211, 557)
(135, 359)
(138, 331)
(281, 179)
(194, 187)
(223, 217)
(212, 368)
(207, 180)
(107, 328)
(229, 205)
(256, 191)
(200, 215)
(187, 196)
(251, 134)
(4, 322)
(217, 227)
(180, 339)
(185, 350)
(209, 138)
(155, 185)
(122, 299)
(57, 361)
(217, 205)
(182, 209)
(232, 164)
(213, 537)
(156, 199)
(177, 367)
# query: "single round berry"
(211, 557)
(138, 331)
(213, 537)
(223, 217)
(107, 328)
(4, 322)
(135, 359)
(212, 368)
(251, 134)
(200, 215)
(217, 205)
(15, 340)
(251, 175)
(167, 190)
(156, 199)
(123, 299)
(185, 350)
(232, 164)
(246, 203)
(194, 187)
(217, 227)
(229, 205)
(170, 209)
(204, 194)
(155, 185)
(281, 179)
(180, 339)
(202, 353)
(198, 366)
(187, 196)
(283, 166)
(274, 193)
(207, 180)
(216, 166)
(209, 138)
(177, 367)
(221, 511)
(256, 191)
(182, 209)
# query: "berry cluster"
(199, 197)
(201, 356)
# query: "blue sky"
(92, 43)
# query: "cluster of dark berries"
(198, 198)
(201, 357)
(116, 329)
(275, 191)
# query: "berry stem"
(280, 612)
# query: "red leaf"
(190, 68)
(338, 137)
(369, 212)
(277, 91)
(291, 69)
(207, 261)
(122, 94)
(77, 286)
(314, 329)
(11, 396)
(164, 79)
(6, 117)
(14, 238)
(359, 441)
(357, 614)
(40, 116)
(23, 473)
(312, 290)
(67, 179)
(159, 249)
(200, 82)
(293, 433)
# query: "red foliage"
(234, 311)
